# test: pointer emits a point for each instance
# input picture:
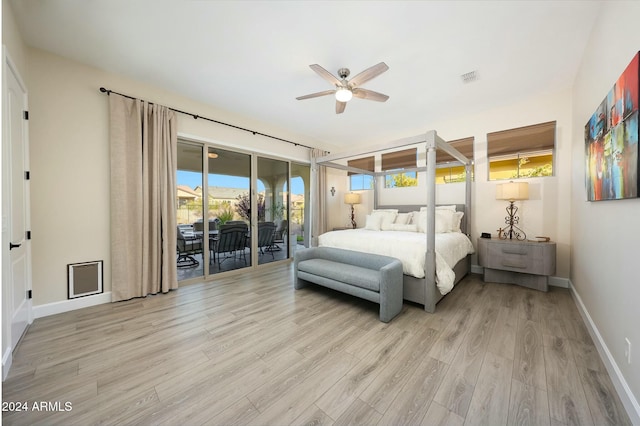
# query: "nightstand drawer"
(530, 258)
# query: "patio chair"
(279, 235)
(231, 242)
(187, 246)
(266, 232)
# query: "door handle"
(12, 246)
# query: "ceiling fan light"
(343, 94)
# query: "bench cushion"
(349, 274)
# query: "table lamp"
(352, 199)
(512, 191)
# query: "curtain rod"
(196, 116)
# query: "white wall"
(606, 234)
(547, 212)
(70, 161)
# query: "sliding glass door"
(190, 246)
(273, 210)
(229, 210)
(237, 210)
(300, 228)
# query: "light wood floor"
(252, 350)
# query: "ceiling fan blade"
(368, 74)
(340, 106)
(315, 95)
(369, 94)
(325, 74)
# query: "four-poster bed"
(415, 288)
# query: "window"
(522, 152)
(397, 162)
(455, 173)
(358, 181)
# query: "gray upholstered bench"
(368, 276)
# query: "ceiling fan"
(345, 89)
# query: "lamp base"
(512, 232)
(353, 217)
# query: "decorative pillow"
(414, 217)
(456, 221)
(373, 222)
(388, 217)
(403, 218)
(444, 221)
(404, 227)
(421, 220)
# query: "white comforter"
(409, 247)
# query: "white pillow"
(388, 217)
(403, 218)
(404, 227)
(421, 220)
(444, 221)
(414, 217)
(373, 222)
(456, 221)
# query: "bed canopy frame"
(432, 142)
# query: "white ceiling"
(253, 57)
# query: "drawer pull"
(510, 265)
(519, 252)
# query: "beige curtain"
(143, 145)
(318, 201)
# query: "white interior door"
(16, 199)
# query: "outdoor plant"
(225, 214)
(243, 206)
(277, 210)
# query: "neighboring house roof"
(297, 199)
(223, 193)
(185, 192)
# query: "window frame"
(363, 163)
(399, 163)
(521, 142)
(466, 146)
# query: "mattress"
(408, 247)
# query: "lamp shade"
(351, 198)
(512, 191)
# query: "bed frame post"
(467, 196)
(430, 259)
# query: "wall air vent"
(469, 77)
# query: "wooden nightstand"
(524, 263)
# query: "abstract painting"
(611, 141)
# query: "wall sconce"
(352, 198)
(511, 192)
(333, 191)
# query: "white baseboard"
(559, 282)
(45, 310)
(622, 387)
(7, 360)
